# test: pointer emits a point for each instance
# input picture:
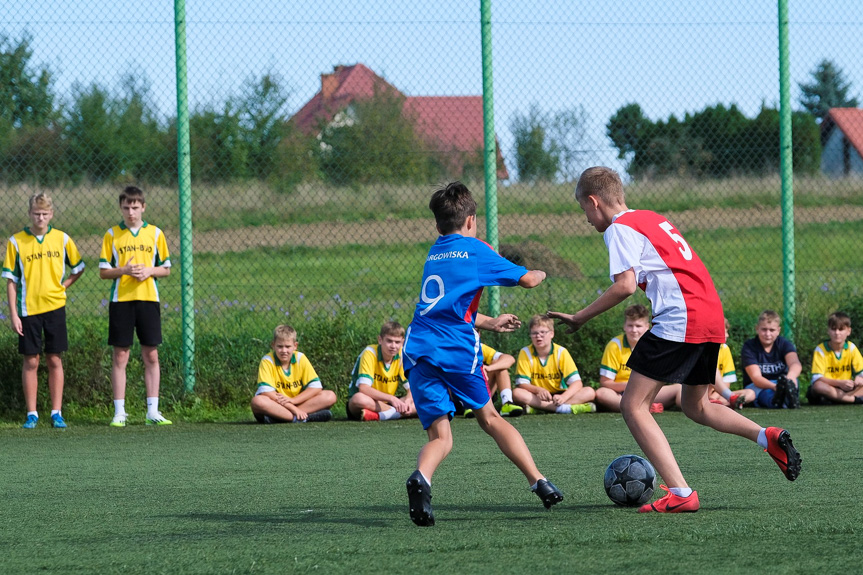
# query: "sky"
(671, 57)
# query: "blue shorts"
(763, 397)
(431, 386)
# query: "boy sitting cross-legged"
(837, 366)
(546, 375)
(376, 377)
(614, 373)
(289, 390)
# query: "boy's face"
(390, 346)
(838, 335)
(590, 206)
(634, 329)
(284, 349)
(767, 332)
(133, 213)
(541, 337)
(39, 220)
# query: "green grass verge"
(244, 498)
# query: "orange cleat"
(672, 503)
(369, 415)
(783, 453)
(736, 401)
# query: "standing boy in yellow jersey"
(289, 389)
(546, 375)
(134, 255)
(34, 266)
(376, 377)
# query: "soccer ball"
(630, 480)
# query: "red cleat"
(369, 415)
(672, 503)
(656, 408)
(736, 401)
(783, 453)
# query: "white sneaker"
(119, 420)
(157, 419)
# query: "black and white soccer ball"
(630, 480)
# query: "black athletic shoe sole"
(548, 493)
(419, 500)
(319, 416)
(794, 461)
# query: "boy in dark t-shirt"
(770, 364)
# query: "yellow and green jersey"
(847, 363)
(121, 246)
(289, 380)
(489, 354)
(555, 374)
(370, 369)
(614, 358)
(725, 365)
(37, 266)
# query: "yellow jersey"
(288, 380)
(370, 369)
(556, 374)
(725, 365)
(37, 266)
(614, 358)
(121, 246)
(846, 364)
(489, 354)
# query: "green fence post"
(787, 169)
(490, 150)
(184, 177)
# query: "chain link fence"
(318, 131)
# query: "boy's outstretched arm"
(531, 279)
(504, 323)
(624, 286)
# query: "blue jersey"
(442, 330)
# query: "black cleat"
(419, 500)
(318, 416)
(780, 393)
(549, 494)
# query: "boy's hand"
(399, 405)
(505, 322)
(544, 394)
(571, 320)
(17, 327)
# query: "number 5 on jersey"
(677, 238)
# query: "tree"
(263, 121)
(26, 95)
(537, 156)
(828, 89)
(568, 132)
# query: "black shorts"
(53, 324)
(127, 317)
(675, 362)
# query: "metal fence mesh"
(319, 129)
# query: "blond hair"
(769, 316)
(393, 329)
(602, 182)
(284, 331)
(540, 319)
(41, 201)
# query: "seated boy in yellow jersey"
(134, 255)
(289, 390)
(546, 375)
(496, 366)
(376, 377)
(837, 366)
(613, 372)
(720, 392)
(34, 266)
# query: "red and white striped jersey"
(686, 307)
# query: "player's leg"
(325, 399)
(267, 410)
(608, 399)
(585, 394)
(56, 379)
(834, 394)
(635, 407)
(698, 408)
(525, 398)
(509, 440)
(437, 448)
(56, 342)
(148, 323)
(121, 331)
(29, 382)
(361, 407)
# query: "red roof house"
(842, 134)
(451, 126)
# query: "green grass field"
(330, 498)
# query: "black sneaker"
(781, 392)
(792, 395)
(318, 416)
(419, 500)
(549, 494)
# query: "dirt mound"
(537, 256)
